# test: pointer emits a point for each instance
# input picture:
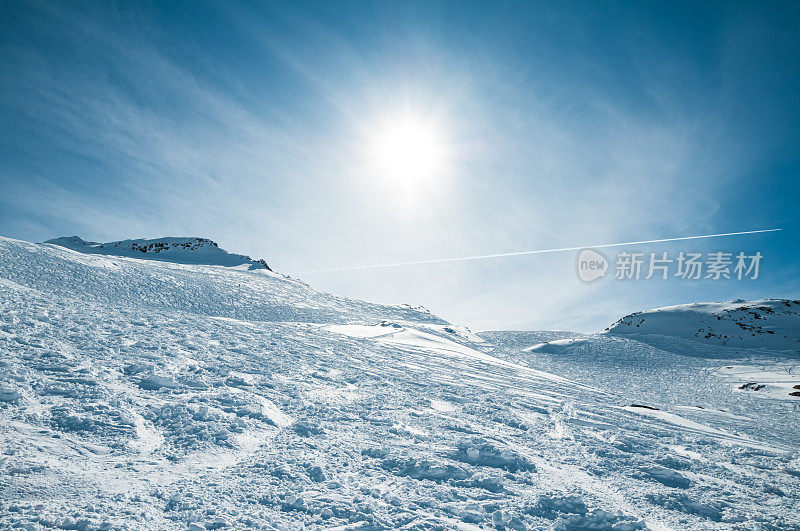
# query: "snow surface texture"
(149, 394)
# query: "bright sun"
(408, 150)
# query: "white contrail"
(538, 251)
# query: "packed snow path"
(144, 394)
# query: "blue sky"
(560, 124)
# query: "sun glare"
(408, 150)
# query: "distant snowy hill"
(181, 250)
(141, 393)
(765, 324)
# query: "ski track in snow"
(170, 396)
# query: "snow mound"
(189, 250)
(556, 344)
(483, 452)
(772, 324)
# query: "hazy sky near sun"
(260, 125)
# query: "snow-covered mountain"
(186, 250)
(149, 394)
(765, 324)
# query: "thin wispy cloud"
(255, 130)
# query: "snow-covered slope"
(182, 250)
(157, 395)
(258, 295)
(766, 324)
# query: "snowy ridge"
(181, 250)
(239, 293)
(149, 394)
(772, 324)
